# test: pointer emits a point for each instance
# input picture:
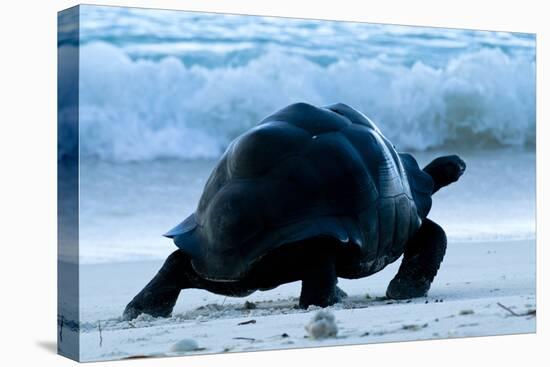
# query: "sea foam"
(132, 110)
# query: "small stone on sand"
(184, 345)
(322, 326)
(249, 305)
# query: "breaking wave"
(133, 110)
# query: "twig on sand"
(100, 335)
(243, 338)
(247, 322)
(508, 309)
(528, 313)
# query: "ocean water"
(125, 208)
(162, 93)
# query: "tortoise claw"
(403, 288)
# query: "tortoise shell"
(302, 173)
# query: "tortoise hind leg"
(319, 282)
(159, 296)
(423, 254)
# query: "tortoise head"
(445, 170)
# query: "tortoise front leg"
(423, 254)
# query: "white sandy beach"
(464, 301)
